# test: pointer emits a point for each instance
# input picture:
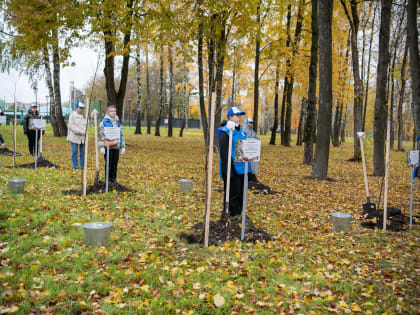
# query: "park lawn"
(46, 267)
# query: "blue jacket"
(236, 135)
(110, 122)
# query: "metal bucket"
(16, 185)
(185, 185)
(97, 233)
(341, 221)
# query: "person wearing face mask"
(111, 120)
(236, 191)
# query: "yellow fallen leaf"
(355, 307)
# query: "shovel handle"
(364, 169)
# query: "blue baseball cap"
(80, 105)
(249, 120)
(234, 111)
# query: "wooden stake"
(388, 136)
(229, 167)
(86, 148)
(95, 120)
(209, 171)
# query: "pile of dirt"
(396, 221)
(99, 188)
(221, 232)
(6, 151)
(40, 163)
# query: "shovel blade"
(369, 210)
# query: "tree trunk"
(184, 101)
(380, 101)
(368, 71)
(290, 74)
(171, 91)
(320, 165)
(303, 109)
(413, 42)
(257, 68)
(401, 100)
(159, 118)
(310, 121)
(276, 107)
(220, 59)
(343, 129)
(48, 76)
(138, 77)
(61, 124)
(203, 115)
(148, 106)
(286, 79)
(114, 97)
(353, 19)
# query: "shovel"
(94, 116)
(368, 207)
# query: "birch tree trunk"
(159, 118)
(171, 91)
(148, 114)
(184, 101)
(48, 76)
(401, 100)
(61, 124)
(276, 107)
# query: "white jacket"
(76, 128)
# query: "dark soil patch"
(396, 221)
(221, 232)
(43, 163)
(99, 188)
(359, 159)
(258, 187)
(6, 151)
(329, 179)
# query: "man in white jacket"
(76, 135)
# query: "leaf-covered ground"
(45, 266)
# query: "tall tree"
(200, 35)
(114, 21)
(380, 101)
(353, 19)
(276, 106)
(148, 95)
(161, 91)
(184, 100)
(310, 120)
(171, 90)
(401, 100)
(290, 73)
(320, 165)
(138, 78)
(413, 42)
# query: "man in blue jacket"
(234, 116)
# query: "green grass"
(147, 268)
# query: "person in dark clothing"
(236, 189)
(1, 138)
(29, 129)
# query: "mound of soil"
(221, 232)
(6, 151)
(396, 221)
(40, 163)
(99, 188)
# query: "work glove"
(102, 150)
(122, 151)
(230, 125)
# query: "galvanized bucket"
(341, 221)
(97, 233)
(16, 185)
(185, 185)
